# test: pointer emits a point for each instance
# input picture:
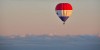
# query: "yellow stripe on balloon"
(66, 12)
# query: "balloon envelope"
(64, 11)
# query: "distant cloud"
(82, 42)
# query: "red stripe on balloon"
(63, 6)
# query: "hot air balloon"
(64, 11)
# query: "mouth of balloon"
(63, 18)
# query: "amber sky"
(38, 17)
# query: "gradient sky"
(20, 17)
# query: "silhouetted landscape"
(45, 42)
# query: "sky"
(38, 17)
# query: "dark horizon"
(82, 42)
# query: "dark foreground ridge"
(85, 42)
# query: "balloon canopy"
(64, 11)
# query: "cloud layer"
(83, 42)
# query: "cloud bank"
(45, 42)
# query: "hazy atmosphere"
(86, 42)
(34, 25)
(38, 17)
